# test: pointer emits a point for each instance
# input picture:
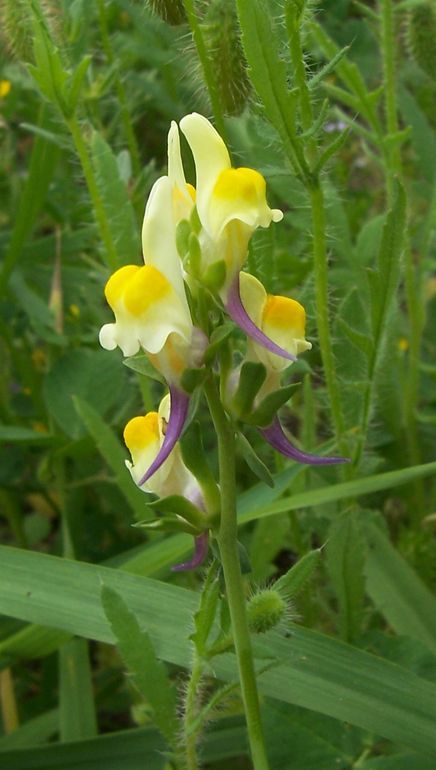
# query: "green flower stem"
(393, 168)
(321, 296)
(228, 546)
(206, 66)
(388, 51)
(121, 92)
(190, 714)
(97, 203)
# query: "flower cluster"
(195, 243)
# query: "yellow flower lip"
(243, 184)
(142, 431)
(284, 313)
(138, 287)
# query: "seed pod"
(171, 11)
(222, 38)
(16, 25)
(421, 34)
(265, 610)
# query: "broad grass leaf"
(316, 671)
(345, 552)
(397, 591)
(77, 718)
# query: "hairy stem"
(228, 545)
(97, 203)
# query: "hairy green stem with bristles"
(97, 203)
(228, 546)
(206, 66)
(121, 92)
(393, 169)
(190, 713)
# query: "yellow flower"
(5, 87)
(281, 319)
(149, 302)
(144, 437)
(231, 202)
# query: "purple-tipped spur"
(239, 315)
(179, 404)
(200, 553)
(275, 436)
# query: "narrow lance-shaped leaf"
(137, 652)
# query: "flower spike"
(275, 436)
(200, 553)
(177, 419)
(239, 315)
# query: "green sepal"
(294, 580)
(195, 459)
(192, 378)
(244, 559)
(194, 251)
(168, 524)
(180, 506)
(215, 275)
(205, 616)
(217, 338)
(194, 220)
(76, 82)
(142, 365)
(251, 379)
(270, 405)
(254, 462)
(183, 231)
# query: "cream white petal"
(158, 237)
(210, 156)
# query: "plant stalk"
(97, 203)
(228, 546)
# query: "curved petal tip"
(275, 436)
(239, 315)
(200, 553)
(178, 413)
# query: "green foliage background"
(92, 90)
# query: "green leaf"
(16, 434)
(397, 591)
(316, 671)
(345, 559)
(123, 750)
(181, 506)
(143, 365)
(217, 338)
(296, 578)
(85, 374)
(269, 406)
(40, 170)
(116, 202)
(148, 673)
(268, 74)
(332, 493)
(204, 618)
(251, 378)
(254, 462)
(113, 453)
(37, 730)
(77, 719)
(328, 68)
(76, 83)
(266, 542)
